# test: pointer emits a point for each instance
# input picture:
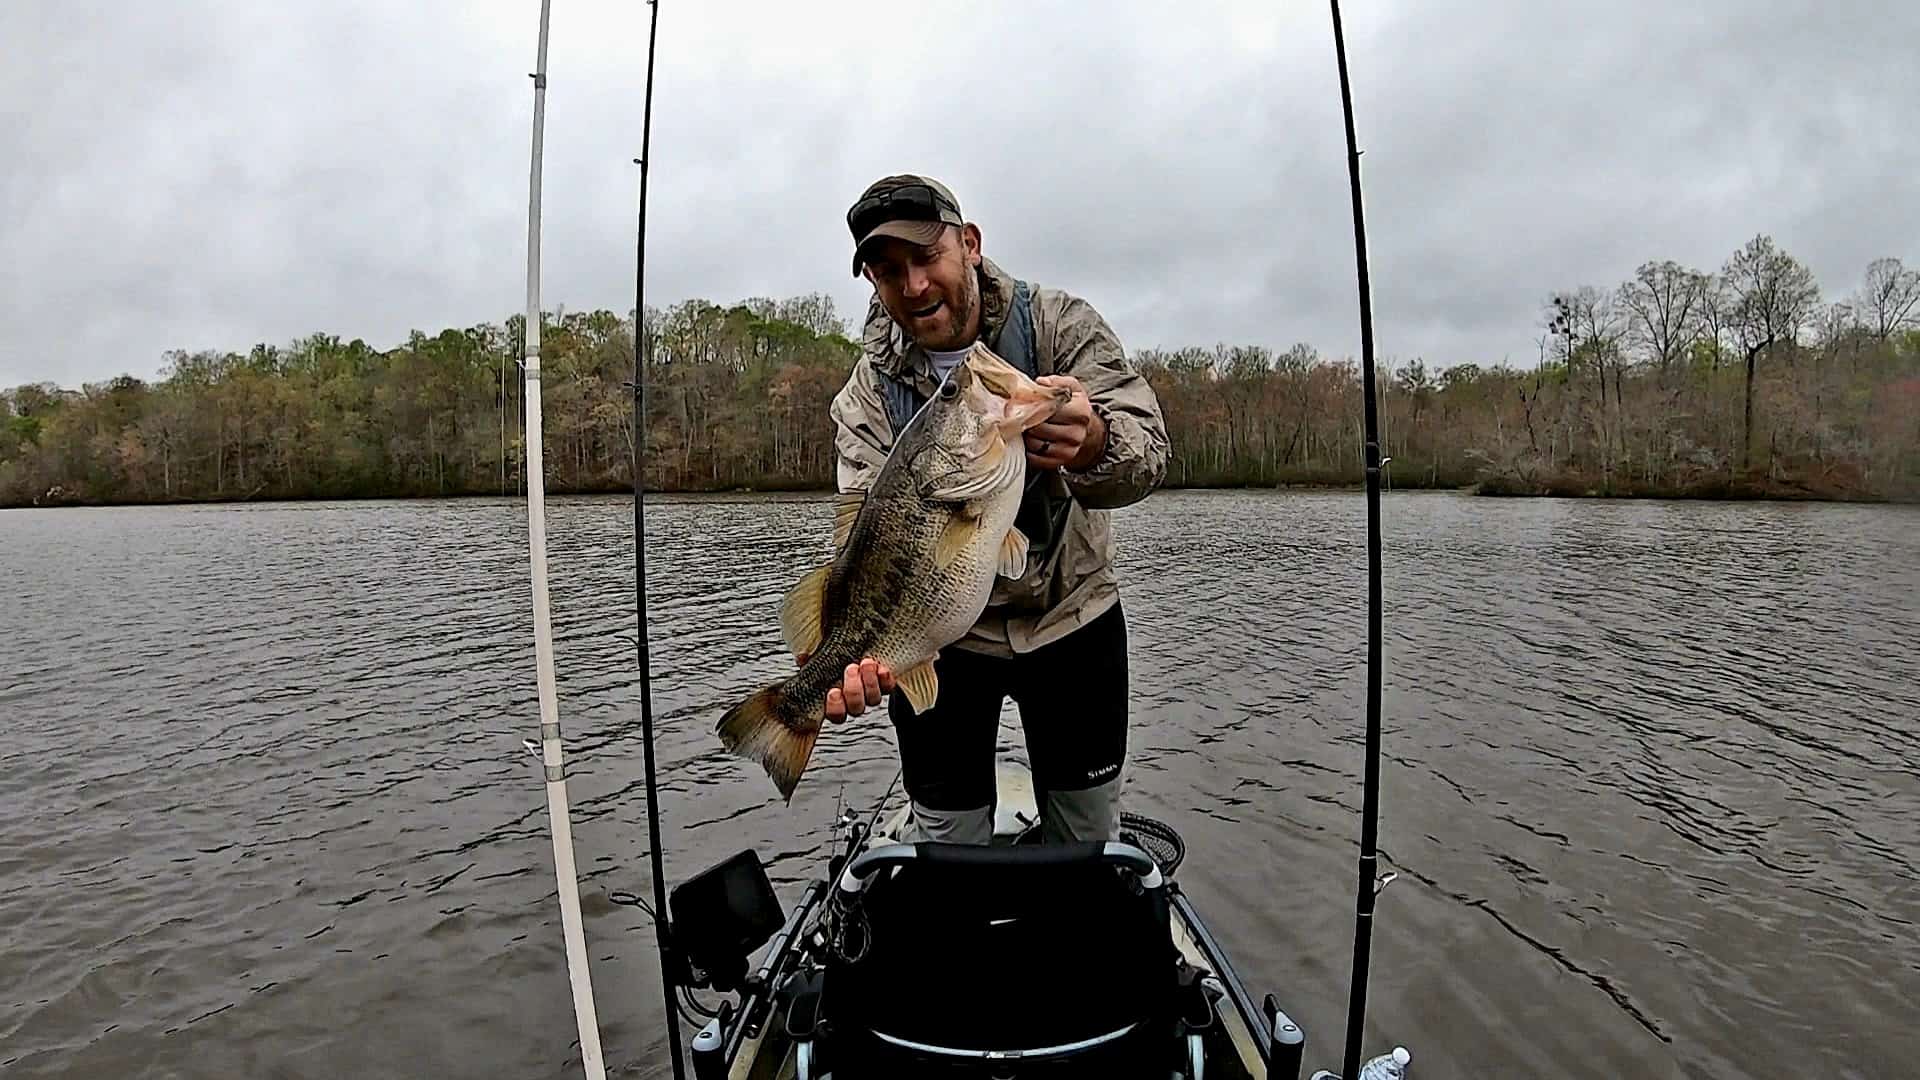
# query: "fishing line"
(688, 1006)
(874, 818)
(627, 899)
(693, 1004)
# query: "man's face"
(931, 290)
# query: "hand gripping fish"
(915, 561)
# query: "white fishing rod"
(550, 750)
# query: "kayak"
(1013, 958)
(911, 958)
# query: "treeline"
(1740, 381)
(1678, 381)
(738, 397)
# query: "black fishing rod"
(1370, 796)
(662, 931)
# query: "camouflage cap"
(906, 207)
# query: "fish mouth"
(1019, 402)
(1048, 399)
(1035, 407)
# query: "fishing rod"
(1370, 796)
(661, 928)
(556, 774)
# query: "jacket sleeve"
(1135, 461)
(862, 435)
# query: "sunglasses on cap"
(909, 202)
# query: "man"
(1056, 640)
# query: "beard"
(948, 330)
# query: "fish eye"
(949, 390)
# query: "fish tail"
(758, 729)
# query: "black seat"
(1048, 960)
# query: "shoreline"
(1718, 490)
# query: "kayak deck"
(1234, 1039)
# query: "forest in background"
(1741, 381)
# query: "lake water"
(1651, 775)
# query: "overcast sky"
(215, 173)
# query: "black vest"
(1046, 503)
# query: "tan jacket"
(1076, 584)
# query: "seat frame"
(1189, 1012)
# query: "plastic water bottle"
(1387, 1066)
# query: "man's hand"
(1073, 438)
(863, 685)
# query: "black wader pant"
(1072, 696)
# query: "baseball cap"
(905, 206)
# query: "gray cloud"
(203, 174)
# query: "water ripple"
(1649, 774)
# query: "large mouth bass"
(915, 561)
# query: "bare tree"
(1661, 306)
(1773, 298)
(1590, 327)
(1833, 325)
(1713, 317)
(815, 312)
(1889, 298)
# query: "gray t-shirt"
(943, 362)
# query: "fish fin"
(846, 507)
(803, 611)
(920, 684)
(1013, 555)
(755, 729)
(959, 532)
